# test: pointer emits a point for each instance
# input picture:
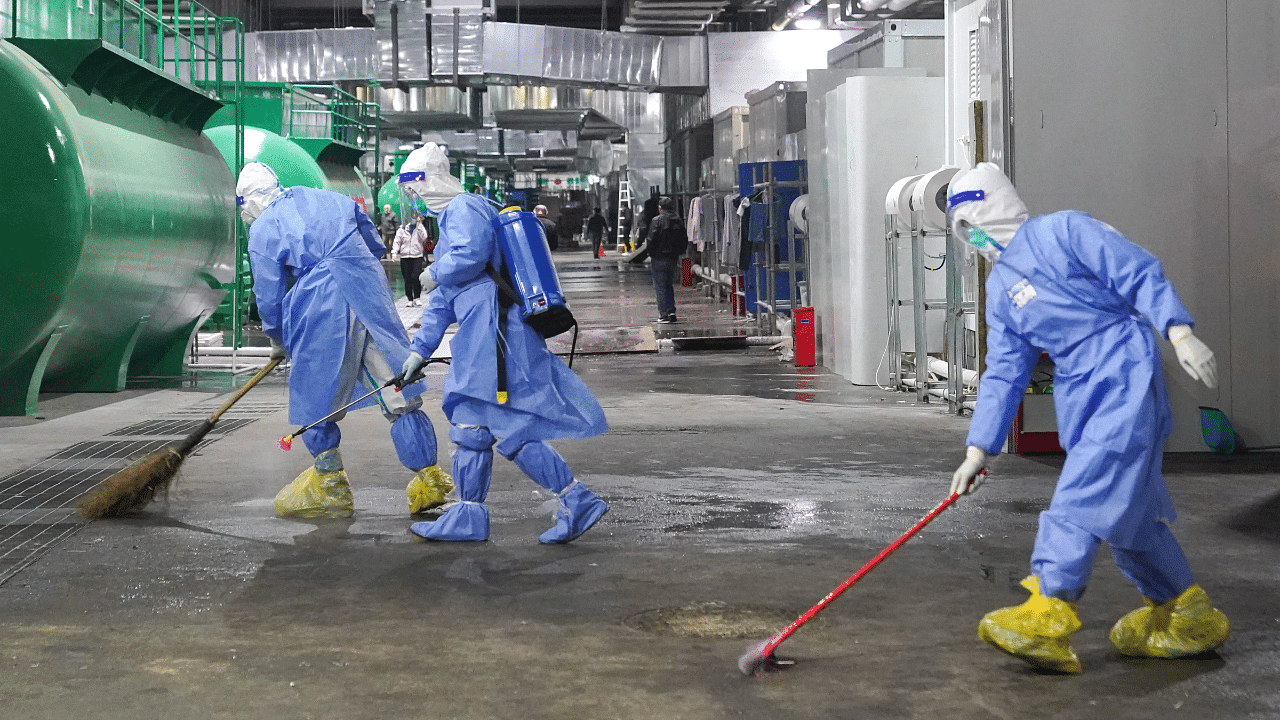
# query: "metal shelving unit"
(914, 371)
(794, 266)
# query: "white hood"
(999, 212)
(425, 174)
(256, 188)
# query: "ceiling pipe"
(795, 11)
(709, 4)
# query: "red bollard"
(733, 295)
(686, 272)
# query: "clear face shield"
(969, 233)
(410, 200)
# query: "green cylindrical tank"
(346, 179)
(290, 162)
(125, 234)
(389, 194)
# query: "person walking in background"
(410, 248)
(597, 227)
(667, 241)
(647, 214)
(1075, 288)
(387, 226)
(548, 227)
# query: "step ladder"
(624, 204)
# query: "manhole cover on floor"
(711, 620)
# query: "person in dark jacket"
(647, 214)
(597, 226)
(548, 226)
(667, 240)
(388, 226)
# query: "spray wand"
(399, 382)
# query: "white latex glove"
(1194, 356)
(277, 350)
(411, 365)
(428, 283)
(968, 477)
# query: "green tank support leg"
(110, 370)
(20, 382)
(171, 360)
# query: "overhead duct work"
(408, 53)
(439, 107)
(306, 56)
(862, 10)
(578, 128)
(663, 17)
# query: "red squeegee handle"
(783, 634)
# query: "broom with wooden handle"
(134, 487)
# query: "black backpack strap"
(506, 293)
(507, 297)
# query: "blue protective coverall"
(322, 292)
(1075, 288)
(546, 401)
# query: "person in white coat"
(410, 248)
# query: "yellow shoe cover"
(427, 489)
(1037, 631)
(316, 495)
(1186, 625)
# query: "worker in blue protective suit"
(1074, 287)
(544, 399)
(325, 304)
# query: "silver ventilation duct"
(304, 56)
(463, 49)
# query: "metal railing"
(345, 117)
(178, 37)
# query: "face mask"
(420, 206)
(255, 203)
(979, 239)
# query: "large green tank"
(305, 119)
(389, 194)
(127, 227)
(290, 162)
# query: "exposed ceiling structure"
(589, 124)
(655, 17)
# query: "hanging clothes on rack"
(730, 231)
(745, 211)
(691, 221)
(707, 208)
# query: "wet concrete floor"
(742, 491)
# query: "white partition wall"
(878, 128)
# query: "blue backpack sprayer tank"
(528, 271)
(528, 279)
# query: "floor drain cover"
(712, 620)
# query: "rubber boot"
(578, 509)
(427, 489)
(321, 491)
(1038, 631)
(1186, 625)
